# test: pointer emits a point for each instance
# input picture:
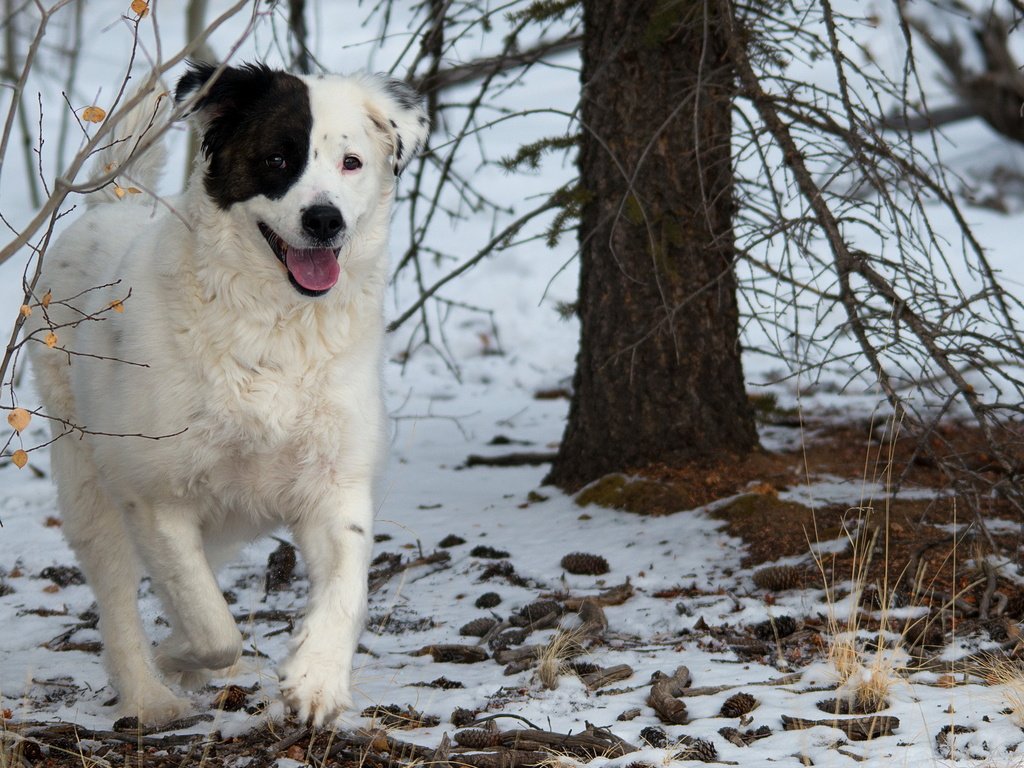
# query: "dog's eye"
(351, 163)
(277, 162)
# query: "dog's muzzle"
(312, 271)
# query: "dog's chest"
(270, 403)
(267, 383)
(281, 401)
(266, 427)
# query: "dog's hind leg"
(95, 528)
(204, 635)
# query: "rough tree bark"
(658, 375)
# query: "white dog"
(252, 338)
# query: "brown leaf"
(140, 7)
(94, 114)
(117, 305)
(47, 298)
(50, 340)
(20, 458)
(26, 310)
(119, 191)
(19, 419)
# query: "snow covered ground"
(50, 670)
(430, 495)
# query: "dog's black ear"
(224, 88)
(194, 79)
(401, 115)
(222, 94)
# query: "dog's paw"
(315, 687)
(155, 706)
(190, 680)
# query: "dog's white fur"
(278, 395)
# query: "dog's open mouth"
(312, 271)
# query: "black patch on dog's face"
(257, 127)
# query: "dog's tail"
(134, 150)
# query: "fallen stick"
(381, 576)
(510, 460)
(857, 729)
(453, 653)
(501, 758)
(592, 615)
(616, 595)
(664, 693)
(607, 676)
(591, 743)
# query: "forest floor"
(786, 608)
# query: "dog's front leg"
(336, 545)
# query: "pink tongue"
(315, 269)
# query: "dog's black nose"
(322, 221)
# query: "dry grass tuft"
(866, 679)
(561, 760)
(882, 674)
(1007, 677)
(843, 655)
(10, 750)
(565, 645)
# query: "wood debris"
(857, 729)
(606, 676)
(664, 696)
(453, 653)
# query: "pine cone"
(477, 738)
(584, 564)
(534, 611)
(654, 736)
(231, 699)
(462, 717)
(777, 578)
(488, 600)
(127, 723)
(738, 705)
(280, 568)
(488, 552)
(508, 637)
(872, 599)
(443, 683)
(583, 667)
(478, 627)
(697, 749)
(782, 626)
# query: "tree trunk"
(658, 376)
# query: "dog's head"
(309, 161)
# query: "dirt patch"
(903, 549)
(663, 489)
(857, 451)
(773, 528)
